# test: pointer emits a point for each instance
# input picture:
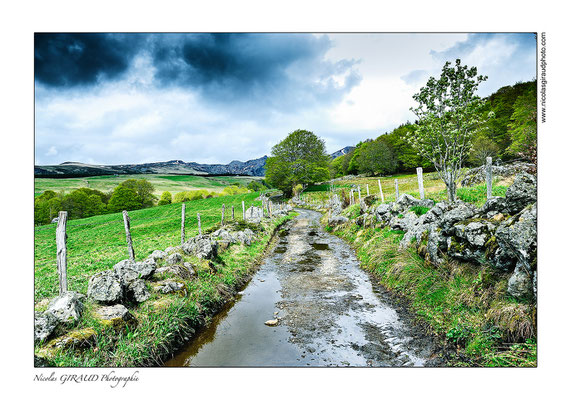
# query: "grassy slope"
(97, 243)
(171, 183)
(466, 305)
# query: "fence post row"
(396, 189)
(61, 238)
(489, 177)
(127, 222)
(182, 224)
(420, 182)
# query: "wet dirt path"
(330, 312)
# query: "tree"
(144, 190)
(482, 148)
(124, 198)
(523, 126)
(166, 198)
(298, 159)
(376, 158)
(448, 113)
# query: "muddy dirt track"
(329, 312)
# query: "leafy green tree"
(523, 126)
(144, 190)
(300, 158)
(124, 198)
(482, 147)
(46, 207)
(166, 198)
(448, 114)
(84, 202)
(376, 158)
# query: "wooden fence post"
(182, 224)
(396, 189)
(222, 221)
(420, 182)
(368, 194)
(232, 213)
(127, 222)
(243, 211)
(199, 226)
(359, 190)
(61, 238)
(489, 177)
(381, 191)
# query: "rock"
(244, 237)
(44, 325)
(271, 322)
(169, 286)
(105, 287)
(67, 307)
(224, 235)
(517, 237)
(337, 220)
(436, 244)
(495, 205)
(174, 258)
(157, 255)
(144, 269)
(55, 220)
(137, 291)
(520, 284)
(172, 248)
(475, 233)
(478, 175)
(459, 212)
(117, 316)
(403, 223)
(521, 193)
(201, 247)
(78, 339)
(185, 272)
(253, 214)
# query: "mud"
(330, 312)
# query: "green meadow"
(162, 183)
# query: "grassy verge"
(165, 320)
(466, 306)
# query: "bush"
(166, 198)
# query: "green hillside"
(97, 243)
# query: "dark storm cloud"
(228, 66)
(66, 60)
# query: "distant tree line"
(132, 194)
(510, 134)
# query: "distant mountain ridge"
(71, 169)
(341, 152)
(178, 167)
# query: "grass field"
(97, 243)
(434, 188)
(162, 183)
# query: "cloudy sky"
(214, 98)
